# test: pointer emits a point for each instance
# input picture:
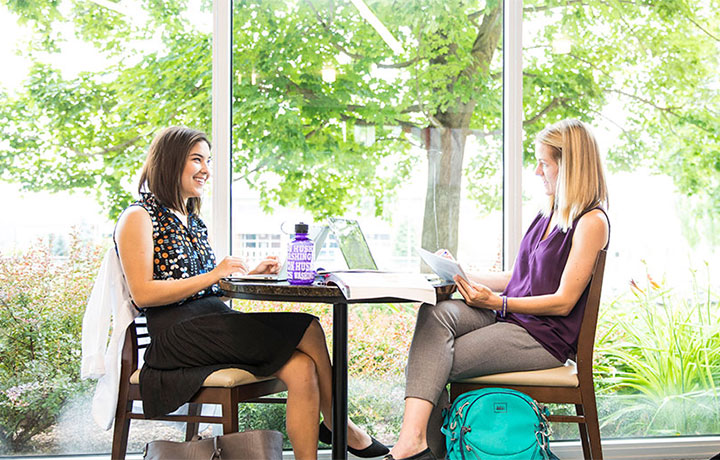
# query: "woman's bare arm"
(495, 281)
(135, 246)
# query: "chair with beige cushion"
(226, 387)
(561, 385)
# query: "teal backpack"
(497, 424)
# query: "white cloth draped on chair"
(109, 308)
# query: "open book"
(445, 268)
(357, 285)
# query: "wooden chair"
(226, 387)
(560, 385)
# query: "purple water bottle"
(300, 257)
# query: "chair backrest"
(586, 340)
(137, 339)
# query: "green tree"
(92, 131)
(657, 61)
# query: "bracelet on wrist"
(504, 306)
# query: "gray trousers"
(453, 340)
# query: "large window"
(645, 76)
(388, 112)
(389, 115)
(84, 86)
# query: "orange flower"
(635, 288)
(653, 283)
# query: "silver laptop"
(352, 244)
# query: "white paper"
(256, 277)
(445, 268)
(373, 284)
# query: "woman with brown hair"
(172, 276)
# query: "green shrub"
(659, 362)
(378, 342)
(376, 404)
(263, 417)
(379, 335)
(42, 300)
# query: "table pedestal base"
(340, 382)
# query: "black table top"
(314, 293)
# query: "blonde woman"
(524, 319)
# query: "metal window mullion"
(221, 128)
(512, 130)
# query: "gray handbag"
(247, 445)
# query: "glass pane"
(645, 77)
(391, 116)
(84, 88)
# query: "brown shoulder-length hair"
(581, 180)
(162, 173)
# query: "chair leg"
(191, 428)
(230, 413)
(121, 431)
(582, 428)
(591, 421)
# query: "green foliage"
(376, 404)
(378, 339)
(485, 181)
(91, 132)
(264, 417)
(699, 217)
(41, 304)
(659, 357)
(378, 343)
(656, 62)
(293, 123)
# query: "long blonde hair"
(581, 180)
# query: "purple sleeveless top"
(538, 269)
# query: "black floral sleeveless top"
(179, 251)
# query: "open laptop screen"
(352, 244)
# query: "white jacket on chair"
(109, 305)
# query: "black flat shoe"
(375, 449)
(424, 455)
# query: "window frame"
(512, 129)
(672, 447)
(221, 200)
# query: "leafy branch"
(665, 112)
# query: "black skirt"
(193, 340)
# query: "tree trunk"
(445, 151)
(446, 145)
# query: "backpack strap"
(217, 451)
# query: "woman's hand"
(478, 295)
(270, 264)
(228, 266)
